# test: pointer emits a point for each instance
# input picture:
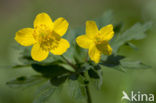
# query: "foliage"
(74, 67)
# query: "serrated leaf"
(44, 92)
(136, 32)
(50, 70)
(25, 81)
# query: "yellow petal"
(91, 29)
(25, 37)
(38, 53)
(60, 26)
(43, 19)
(62, 47)
(94, 54)
(83, 41)
(107, 32)
(105, 48)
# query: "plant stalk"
(88, 94)
(86, 87)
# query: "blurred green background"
(17, 14)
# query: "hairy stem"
(88, 94)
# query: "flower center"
(48, 39)
(98, 39)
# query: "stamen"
(47, 38)
(98, 39)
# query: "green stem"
(86, 87)
(88, 94)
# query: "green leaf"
(74, 76)
(67, 67)
(118, 27)
(25, 56)
(98, 82)
(136, 32)
(84, 67)
(76, 89)
(112, 60)
(44, 93)
(25, 81)
(50, 70)
(93, 74)
(56, 81)
(74, 50)
(97, 67)
(105, 19)
(131, 45)
(127, 64)
(20, 66)
(119, 63)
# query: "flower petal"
(43, 19)
(94, 54)
(91, 29)
(62, 47)
(105, 48)
(25, 37)
(83, 41)
(38, 53)
(61, 26)
(107, 32)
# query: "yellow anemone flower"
(45, 37)
(96, 40)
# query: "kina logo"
(138, 96)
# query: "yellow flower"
(96, 40)
(45, 37)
